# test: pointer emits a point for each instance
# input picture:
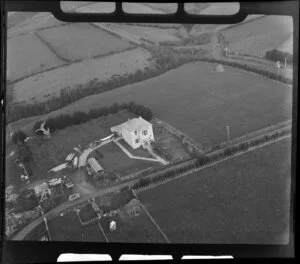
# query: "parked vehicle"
(74, 197)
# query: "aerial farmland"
(149, 133)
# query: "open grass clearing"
(44, 85)
(27, 55)
(259, 35)
(81, 41)
(242, 200)
(36, 233)
(68, 228)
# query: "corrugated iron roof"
(95, 164)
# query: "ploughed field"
(242, 200)
(201, 102)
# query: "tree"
(19, 137)
(23, 153)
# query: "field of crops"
(259, 35)
(242, 200)
(27, 55)
(201, 102)
(81, 41)
(44, 85)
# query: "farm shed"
(95, 166)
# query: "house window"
(137, 141)
(145, 132)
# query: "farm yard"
(74, 42)
(44, 85)
(246, 102)
(27, 55)
(242, 200)
(257, 36)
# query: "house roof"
(132, 204)
(134, 124)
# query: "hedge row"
(206, 160)
(64, 120)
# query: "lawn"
(44, 85)
(242, 200)
(257, 36)
(68, 228)
(201, 102)
(138, 229)
(27, 55)
(115, 160)
(80, 41)
(139, 152)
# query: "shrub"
(18, 137)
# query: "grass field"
(260, 35)
(242, 200)
(81, 41)
(68, 228)
(27, 55)
(115, 160)
(201, 102)
(44, 85)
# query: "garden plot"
(151, 33)
(27, 55)
(244, 200)
(68, 228)
(50, 83)
(257, 36)
(81, 41)
(137, 229)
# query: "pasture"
(201, 102)
(81, 41)
(242, 200)
(257, 36)
(27, 55)
(44, 85)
